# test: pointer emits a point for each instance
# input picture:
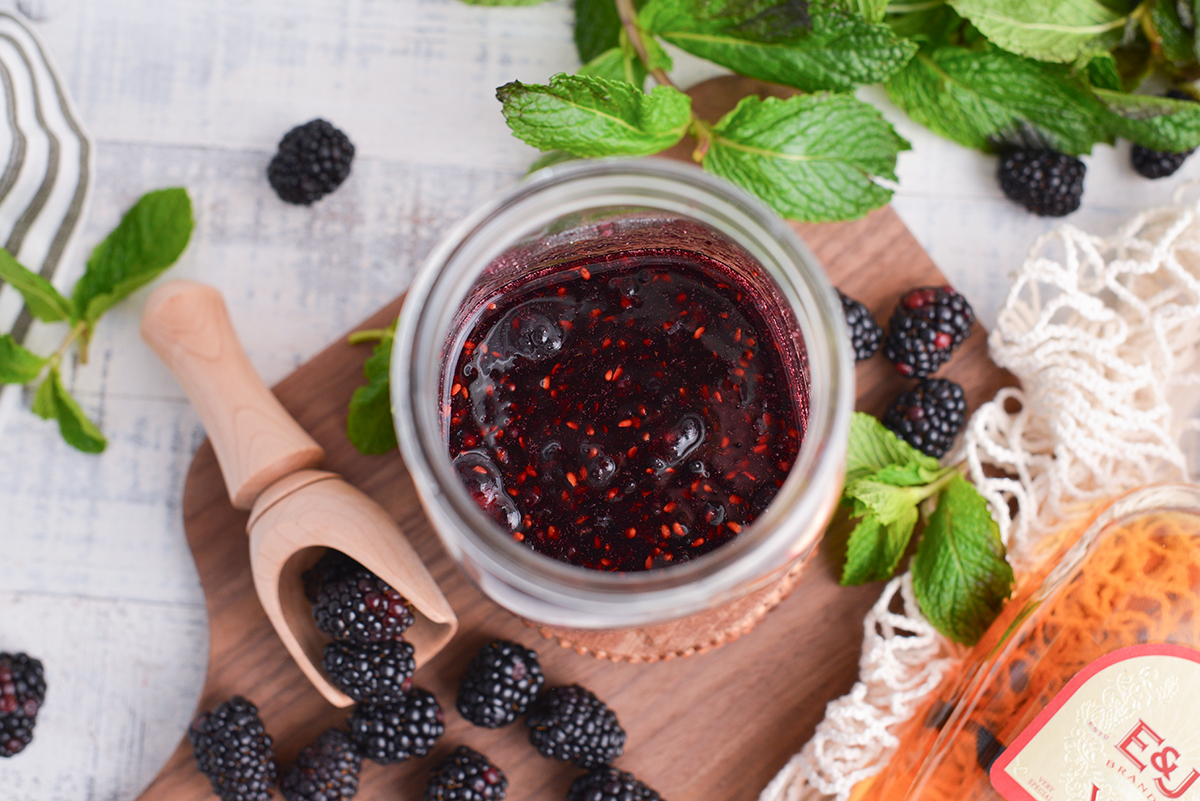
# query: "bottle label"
(1124, 729)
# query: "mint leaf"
(875, 548)
(18, 365)
(960, 576)
(870, 10)
(1171, 37)
(53, 402)
(1158, 123)
(597, 28)
(148, 240)
(810, 46)
(43, 300)
(811, 157)
(873, 447)
(1047, 30)
(1102, 72)
(369, 423)
(927, 25)
(617, 64)
(590, 116)
(980, 97)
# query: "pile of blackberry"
(313, 160)
(504, 681)
(926, 327)
(233, 749)
(368, 659)
(22, 693)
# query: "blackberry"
(929, 416)
(332, 566)
(387, 733)
(325, 770)
(865, 333)
(572, 724)
(466, 775)
(233, 749)
(610, 784)
(313, 160)
(501, 682)
(22, 692)
(1048, 183)
(380, 673)
(362, 608)
(1160, 163)
(927, 325)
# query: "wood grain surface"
(713, 726)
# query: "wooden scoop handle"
(255, 439)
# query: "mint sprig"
(149, 239)
(988, 74)
(960, 576)
(369, 420)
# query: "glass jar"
(1094, 635)
(601, 209)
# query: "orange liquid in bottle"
(1135, 581)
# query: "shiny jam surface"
(625, 414)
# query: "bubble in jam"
(623, 415)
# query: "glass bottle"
(1126, 592)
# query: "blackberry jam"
(623, 413)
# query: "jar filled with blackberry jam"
(623, 391)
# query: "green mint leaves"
(590, 116)
(811, 157)
(369, 422)
(809, 46)
(43, 300)
(149, 239)
(1048, 30)
(984, 73)
(960, 576)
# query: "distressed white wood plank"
(409, 78)
(121, 679)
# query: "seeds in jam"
(623, 415)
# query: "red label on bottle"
(1125, 727)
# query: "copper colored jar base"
(693, 634)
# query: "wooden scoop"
(266, 459)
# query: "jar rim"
(576, 596)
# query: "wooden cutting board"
(715, 726)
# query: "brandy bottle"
(1087, 688)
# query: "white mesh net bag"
(1104, 335)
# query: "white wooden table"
(95, 576)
